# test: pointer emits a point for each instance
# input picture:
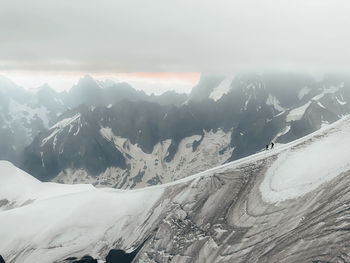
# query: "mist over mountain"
(192, 204)
(23, 113)
(108, 133)
(174, 131)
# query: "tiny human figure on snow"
(272, 145)
(267, 147)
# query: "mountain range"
(109, 134)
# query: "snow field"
(297, 172)
(63, 219)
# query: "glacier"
(289, 204)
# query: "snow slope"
(179, 217)
(299, 171)
(273, 101)
(304, 91)
(298, 113)
(223, 88)
(23, 112)
(19, 188)
(62, 219)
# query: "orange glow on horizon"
(150, 82)
(188, 77)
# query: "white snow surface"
(330, 90)
(223, 88)
(341, 102)
(63, 219)
(321, 105)
(19, 118)
(297, 113)
(304, 91)
(59, 126)
(301, 170)
(65, 122)
(282, 132)
(22, 111)
(19, 188)
(155, 168)
(273, 101)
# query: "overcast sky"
(104, 37)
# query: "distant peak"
(45, 86)
(87, 76)
(87, 81)
(6, 82)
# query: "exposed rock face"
(134, 144)
(84, 146)
(223, 119)
(120, 256)
(24, 114)
(113, 256)
(84, 259)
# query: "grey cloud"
(161, 35)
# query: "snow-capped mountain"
(134, 144)
(107, 133)
(24, 114)
(127, 145)
(289, 204)
(95, 93)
